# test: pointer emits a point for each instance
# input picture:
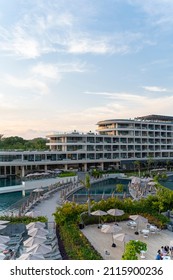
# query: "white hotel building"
(117, 144)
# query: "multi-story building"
(117, 143)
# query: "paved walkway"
(48, 206)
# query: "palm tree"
(87, 184)
(137, 164)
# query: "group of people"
(164, 251)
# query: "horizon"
(65, 68)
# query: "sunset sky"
(67, 64)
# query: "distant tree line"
(18, 143)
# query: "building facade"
(118, 143)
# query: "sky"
(67, 64)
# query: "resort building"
(117, 144)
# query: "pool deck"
(103, 242)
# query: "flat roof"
(156, 118)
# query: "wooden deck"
(103, 241)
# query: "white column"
(23, 188)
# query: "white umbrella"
(35, 225)
(31, 256)
(111, 229)
(39, 248)
(151, 183)
(99, 213)
(33, 214)
(2, 226)
(38, 231)
(4, 239)
(3, 247)
(138, 219)
(2, 222)
(115, 212)
(123, 237)
(39, 190)
(34, 240)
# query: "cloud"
(159, 11)
(46, 70)
(31, 84)
(155, 89)
(53, 71)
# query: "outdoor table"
(145, 231)
(142, 254)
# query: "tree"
(149, 162)
(137, 164)
(133, 249)
(87, 184)
(119, 188)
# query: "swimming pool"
(102, 189)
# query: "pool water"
(8, 199)
(99, 190)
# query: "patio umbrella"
(4, 239)
(111, 229)
(35, 225)
(99, 213)
(33, 214)
(34, 240)
(2, 226)
(123, 237)
(2, 247)
(38, 231)
(38, 190)
(31, 256)
(2, 222)
(138, 219)
(115, 212)
(39, 248)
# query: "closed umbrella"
(34, 240)
(99, 213)
(38, 231)
(39, 248)
(31, 256)
(138, 219)
(111, 229)
(115, 212)
(123, 237)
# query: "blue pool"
(103, 189)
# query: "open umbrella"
(99, 213)
(2, 226)
(4, 239)
(138, 219)
(2, 222)
(39, 248)
(38, 231)
(35, 225)
(31, 256)
(123, 237)
(38, 190)
(3, 247)
(34, 240)
(111, 229)
(115, 212)
(33, 214)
